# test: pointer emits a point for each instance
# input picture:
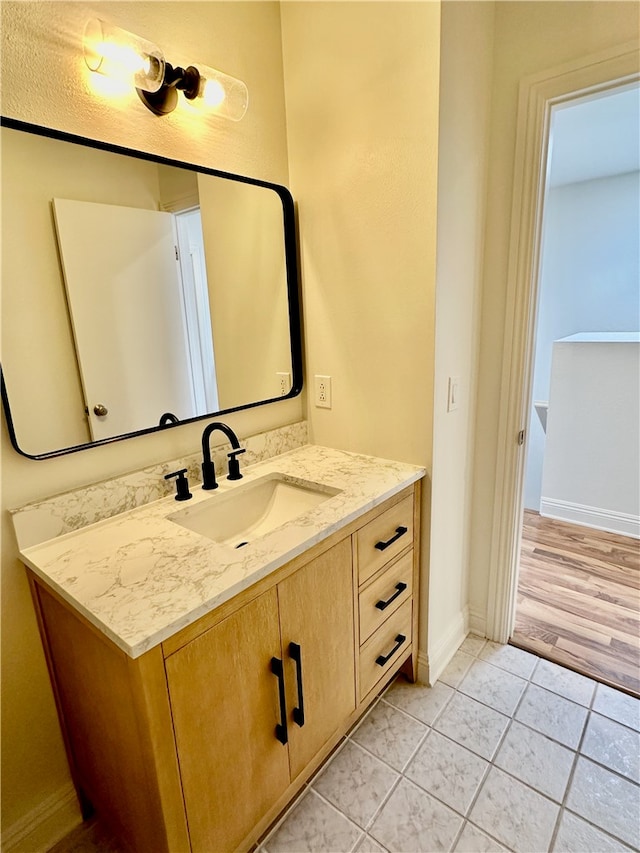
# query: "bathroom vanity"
(204, 670)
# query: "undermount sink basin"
(252, 509)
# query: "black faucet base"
(209, 476)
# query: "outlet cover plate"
(322, 391)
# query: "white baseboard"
(423, 668)
(477, 623)
(44, 825)
(591, 516)
(431, 665)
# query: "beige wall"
(247, 288)
(465, 103)
(44, 81)
(529, 37)
(361, 84)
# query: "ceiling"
(596, 137)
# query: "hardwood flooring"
(579, 600)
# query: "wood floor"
(579, 600)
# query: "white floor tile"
(456, 669)
(420, 701)
(411, 820)
(577, 836)
(552, 715)
(516, 815)
(473, 840)
(472, 724)
(563, 681)
(515, 661)
(614, 745)
(606, 799)
(619, 706)
(368, 845)
(313, 826)
(356, 783)
(494, 687)
(390, 735)
(535, 759)
(448, 771)
(472, 645)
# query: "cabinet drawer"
(383, 538)
(384, 649)
(385, 594)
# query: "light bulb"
(221, 94)
(122, 55)
(213, 93)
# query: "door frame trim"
(537, 95)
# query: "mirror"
(138, 292)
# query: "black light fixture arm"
(162, 102)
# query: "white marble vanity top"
(139, 577)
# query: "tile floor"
(505, 752)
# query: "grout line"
(339, 811)
(569, 784)
(465, 817)
(383, 803)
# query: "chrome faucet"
(208, 468)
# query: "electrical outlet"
(284, 383)
(323, 391)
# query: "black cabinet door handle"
(296, 655)
(400, 588)
(399, 640)
(381, 546)
(281, 727)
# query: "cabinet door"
(225, 706)
(316, 613)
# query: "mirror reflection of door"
(197, 310)
(123, 285)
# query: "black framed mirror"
(139, 292)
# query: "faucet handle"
(234, 465)
(182, 484)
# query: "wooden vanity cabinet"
(232, 763)
(182, 749)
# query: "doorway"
(579, 570)
(540, 96)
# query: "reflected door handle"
(100, 410)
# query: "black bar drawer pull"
(281, 727)
(400, 588)
(296, 655)
(382, 546)
(383, 659)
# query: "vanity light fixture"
(122, 55)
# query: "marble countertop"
(139, 577)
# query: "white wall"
(591, 472)
(45, 82)
(465, 91)
(529, 38)
(588, 282)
